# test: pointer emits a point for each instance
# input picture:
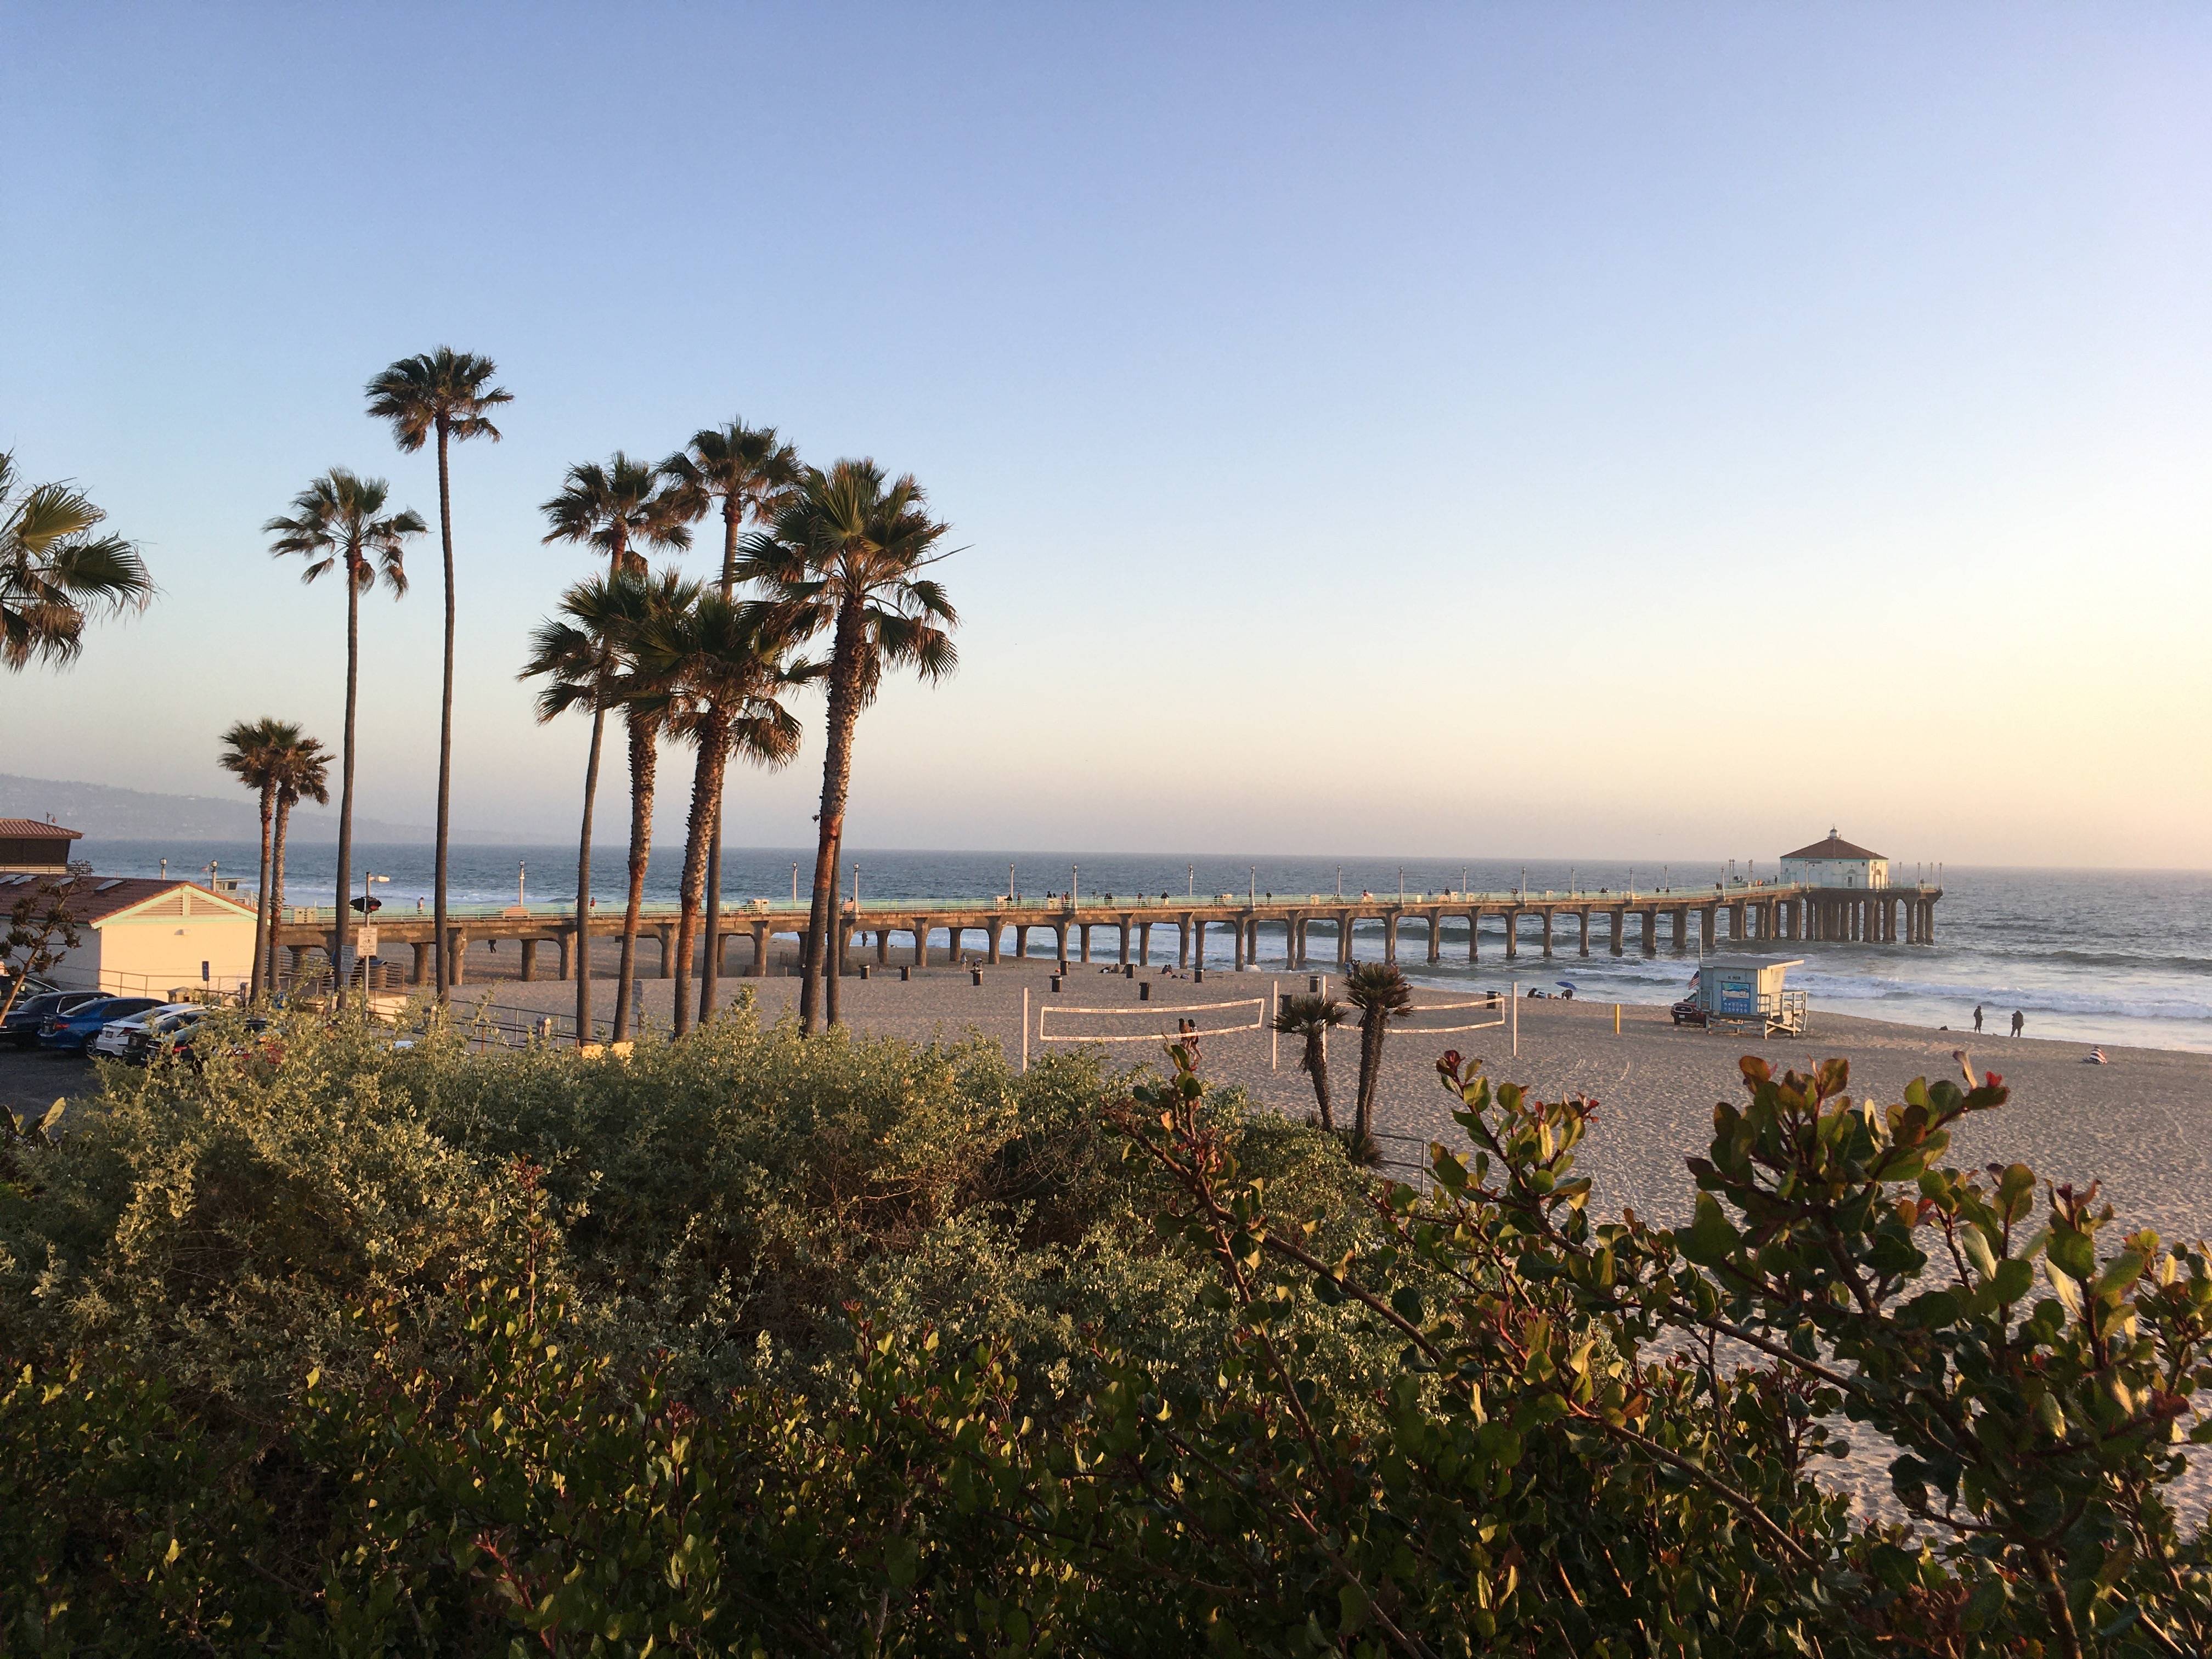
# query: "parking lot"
(32, 1079)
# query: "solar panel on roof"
(112, 881)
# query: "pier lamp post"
(1010, 879)
(856, 888)
(1190, 881)
(368, 903)
(1252, 891)
(1074, 885)
(1339, 881)
(1666, 877)
(1525, 881)
(165, 869)
(1401, 884)
(521, 875)
(794, 882)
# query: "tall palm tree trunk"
(445, 726)
(277, 889)
(339, 965)
(584, 879)
(711, 973)
(836, 785)
(265, 919)
(706, 784)
(644, 764)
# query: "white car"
(115, 1037)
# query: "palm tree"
(248, 749)
(301, 770)
(725, 664)
(53, 570)
(445, 393)
(749, 471)
(1313, 1017)
(339, 520)
(846, 551)
(575, 654)
(618, 509)
(1379, 991)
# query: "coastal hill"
(105, 813)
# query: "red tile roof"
(36, 830)
(95, 898)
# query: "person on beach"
(1977, 1016)
(2019, 1022)
(2095, 1057)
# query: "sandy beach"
(2141, 1124)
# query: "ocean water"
(2114, 957)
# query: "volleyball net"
(1493, 1002)
(1169, 1021)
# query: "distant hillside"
(109, 814)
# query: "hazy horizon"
(1424, 433)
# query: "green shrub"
(755, 1344)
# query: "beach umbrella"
(1564, 984)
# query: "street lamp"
(1401, 884)
(1010, 879)
(1190, 881)
(521, 875)
(1074, 885)
(1252, 891)
(794, 882)
(1339, 881)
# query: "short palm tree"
(748, 471)
(338, 522)
(54, 571)
(301, 770)
(725, 666)
(577, 655)
(620, 509)
(446, 394)
(1379, 991)
(847, 552)
(249, 750)
(1312, 1018)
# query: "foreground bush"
(1209, 1391)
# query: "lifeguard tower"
(1745, 994)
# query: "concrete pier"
(1774, 913)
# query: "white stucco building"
(1835, 862)
(140, 937)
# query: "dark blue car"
(69, 1032)
(26, 1018)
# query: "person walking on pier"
(1977, 1016)
(2019, 1022)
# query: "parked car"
(72, 1032)
(118, 1038)
(185, 1042)
(1688, 1011)
(24, 1019)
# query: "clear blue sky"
(1538, 429)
